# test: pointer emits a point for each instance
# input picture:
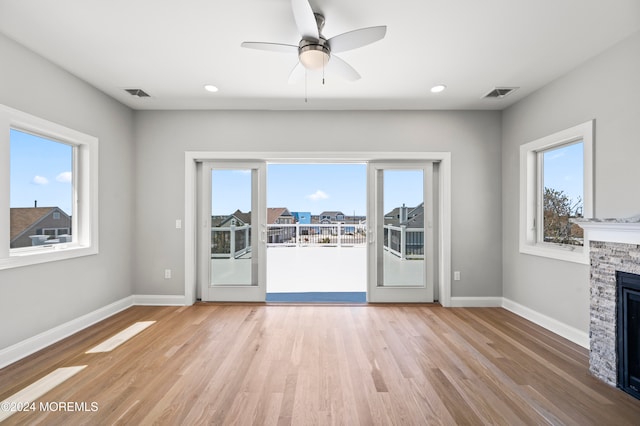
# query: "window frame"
(85, 191)
(531, 187)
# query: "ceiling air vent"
(137, 92)
(499, 92)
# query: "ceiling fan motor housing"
(314, 54)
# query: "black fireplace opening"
(628, 332)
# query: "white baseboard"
(578, 337)
(476, 302)
(158, 300)
(40, 341)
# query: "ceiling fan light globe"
(314, 59)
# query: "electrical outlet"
(178, 224)
(167, 273)
(456, 275)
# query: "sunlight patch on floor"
(118, 339)
(16, 402)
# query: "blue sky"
(318, 187)
(314, 188)
(563, 170)
(40, 170)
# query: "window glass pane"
(403, 230)
(563, 194)
(231, 244)
(41, 193)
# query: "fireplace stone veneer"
(614, 245)
(606, 258)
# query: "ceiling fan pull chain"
(305, 86)
(323, 63)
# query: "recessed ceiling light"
(210, 88)
(439, 88)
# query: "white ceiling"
(171, 49)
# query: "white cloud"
(318, 195)
(64, 177)
(40, 180)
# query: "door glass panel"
(231, 219)
(403, 229)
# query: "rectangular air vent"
(137, 92)
(499, 92)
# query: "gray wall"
(162, 137)
(37, 298)
(607, 89)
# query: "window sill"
(22, 258)
(577, 255)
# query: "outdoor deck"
(317, 269)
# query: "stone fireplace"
(614, 247)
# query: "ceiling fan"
(314, 51)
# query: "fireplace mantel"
(626, 231)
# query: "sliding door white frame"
(253, 290)
(444, 202)
(420, 288)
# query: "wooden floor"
(311, 365)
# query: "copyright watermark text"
(50, 406)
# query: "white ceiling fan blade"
(340, 67)
(356, 38)
(305, 20)
(272, 47)
(297, 74)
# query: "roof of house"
(415, 217)
(393, 214)
(243, 218)
(22, 218)
(273, 213)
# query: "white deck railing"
(406, 243)
(300, 235)
(403, 242)
(230, 239)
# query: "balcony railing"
(406, 243)
(299, 235)
(228, 240)
(235, 241)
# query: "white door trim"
(190, 209)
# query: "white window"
(556, 186)
(48, 173)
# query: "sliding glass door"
(401, 236)
(232, 243)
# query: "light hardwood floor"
(309, 365)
